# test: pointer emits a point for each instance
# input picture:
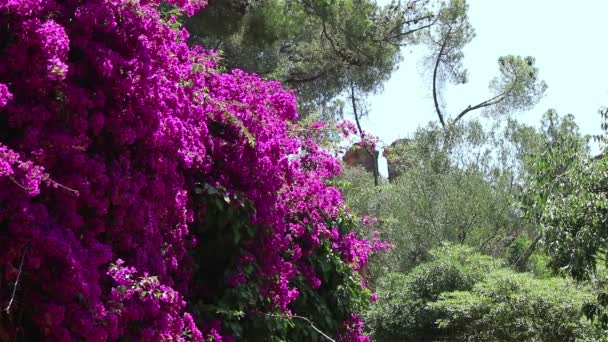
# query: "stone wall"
(397, 160)
(357, 156)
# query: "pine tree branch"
(435, 76)
(490, 102)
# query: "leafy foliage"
(464, 194)
(447, 39)
(518, 87)
(523, 257)
(462, 295)
(317, 47)
(401, 312)
(564, 196)
(508, 306)
(332, 291)
(146, 195)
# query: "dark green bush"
(461, 295)
(536, 263)
(401, 313)
(509, 306)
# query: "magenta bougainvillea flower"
(108, 123)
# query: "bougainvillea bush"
(144, 195)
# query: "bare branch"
(490, 102)
(416, 20)
(495, 100)
(304, 319)
(401, 34)
(293, 80)
(19, 184)
(10, 303)
(46, 179)
(355, 112)
(435, 76)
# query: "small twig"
(326, 129)
(46, 179)
(304, 319)
(19, 184)
(59, 185)
(10, 303)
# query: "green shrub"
(509, 306)
(461, 295)
(517, 248)
(537, 263)
(401, 313)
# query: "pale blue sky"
(569, 41)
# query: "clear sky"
(568, 39)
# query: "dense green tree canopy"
(317, 47)
(461, 295)
(566, 195)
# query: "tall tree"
(516, 88)
(567, 197)
(316, 47)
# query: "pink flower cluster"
(24, 174)
(108, 119)
(353, 327)
(5, 95)
(154, 307)
(368, 141)
(356, 251)
(347, 128)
